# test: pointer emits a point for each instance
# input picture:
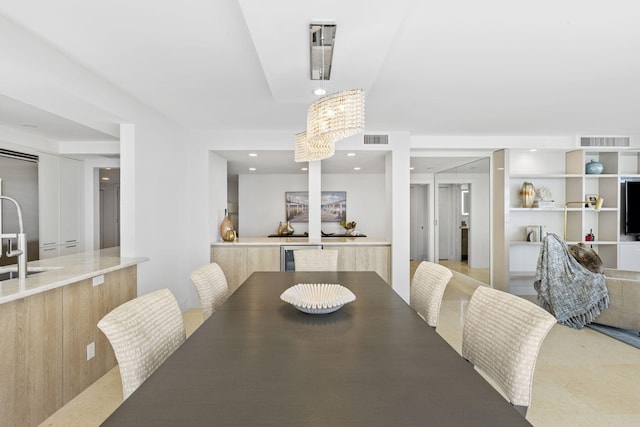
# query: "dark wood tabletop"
(258, 361)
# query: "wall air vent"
(605, 141)
(19, 156)
(376, 139)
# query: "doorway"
(109, 208)
(419, 222)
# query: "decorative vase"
(289, 228)
(527, 194)
(593, 168)
(225, 226)
(281, 229)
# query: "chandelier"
(336, 116)
(332, 117)
(318, 149)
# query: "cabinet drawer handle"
(70, 241)
(48, 243)
(71, 246)
(48, 249)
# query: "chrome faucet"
(21, 251)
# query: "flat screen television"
(632, 211)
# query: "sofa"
(624, 297)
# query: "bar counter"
(62, 271)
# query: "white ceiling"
(429, 67)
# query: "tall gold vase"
(527, 194)
(226, 228)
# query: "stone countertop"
(328, 241)
(62, 271)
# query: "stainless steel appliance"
(286, 255)
(19, 180)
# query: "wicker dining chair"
(212, 287)
(143, 333)
(427, 288)
(502, 335)
(315, 260)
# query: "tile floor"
(582, 378)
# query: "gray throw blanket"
(573, 294)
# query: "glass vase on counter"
(227, 233)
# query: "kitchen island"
(240, 258)
(51, 346)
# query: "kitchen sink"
(11, 272)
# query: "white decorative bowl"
(317, 298)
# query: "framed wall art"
(333, 206)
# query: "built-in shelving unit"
(563, 174)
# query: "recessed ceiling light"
(253, 154)
(500, 169)
(105, 178)
(356, 168)
(252, 169)
(304, 169)
(351, 154)
(107, 169)
(320, 91)
(411, 168)
(533, 150)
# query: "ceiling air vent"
(604, 141)
(376, 139)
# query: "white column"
(398, 202)
(315, 188)
(127, 190)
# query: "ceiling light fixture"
(322, 37)
(318, 149)
(332, 117)
(336, 116)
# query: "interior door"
(418, 222)
(444, 222)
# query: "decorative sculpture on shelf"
(349, 227)
(543, 198)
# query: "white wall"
(261, 202)
(154, 167)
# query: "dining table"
(259, 361)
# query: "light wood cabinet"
(83, 306)
(375, 258)
(364, 258)
(44, 345)
(238, 262)
(31, 359)
(346, 257)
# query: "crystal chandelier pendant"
(306, 151)
(336, 116)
